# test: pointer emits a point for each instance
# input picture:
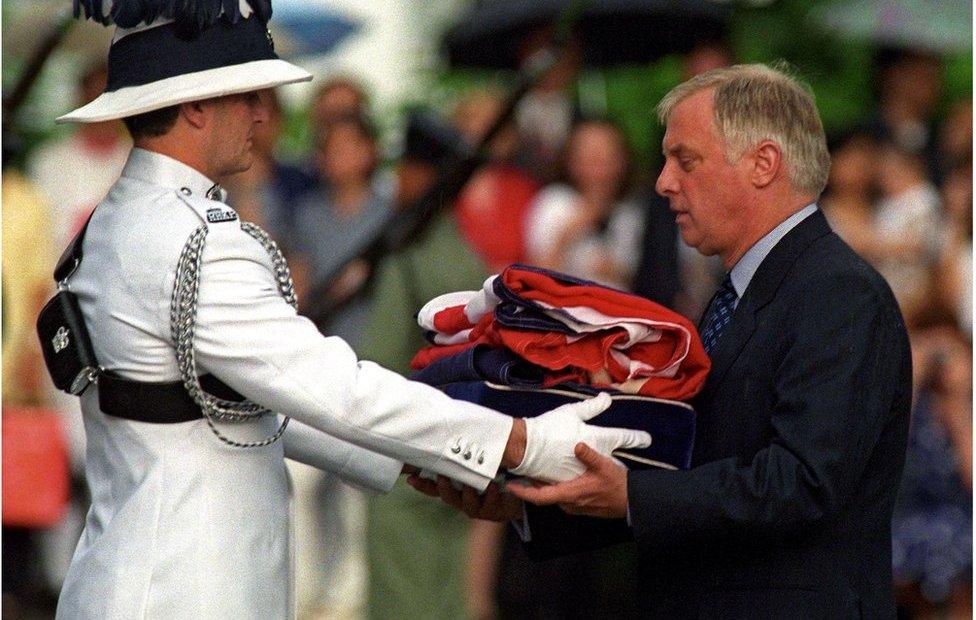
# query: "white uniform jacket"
(181, 524)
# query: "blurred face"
(233, 120)
(335, 103)
(596, 160)
(707, 194)
(916, 82)
(474, 117)
(897, 171)
(853, 167)
(347, 154)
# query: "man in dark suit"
(802, 424)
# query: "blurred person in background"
(954, 271)
(28, 256)
(587, 225)
(909, 83)
(283, 184)
(93, 156)
(705, 56)
(907, 221)
(347, 212)
(491, 210)
(545, 115)
(266, 192)
(932, 524)
(417, 549)
(338, 97)
(848, 201)
(956, 135)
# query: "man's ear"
(195, 113)
(768, 163)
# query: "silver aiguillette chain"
(183, 316)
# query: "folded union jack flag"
(577, 331)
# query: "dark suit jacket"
(801, 437)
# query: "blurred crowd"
(560, 190)
(900, 193)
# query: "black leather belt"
(157, 403)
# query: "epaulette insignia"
(217, 215)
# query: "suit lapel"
(761, 290)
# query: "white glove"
(551, 438)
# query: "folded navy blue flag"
(482, 363)
(671, 424)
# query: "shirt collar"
(747, 266)
(162, 170)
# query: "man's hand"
(601, 491)
(550, 440)
(495, 505)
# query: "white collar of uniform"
(164, 171)
(747, 266)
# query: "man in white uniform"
(184, 523)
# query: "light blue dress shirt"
(747, 266)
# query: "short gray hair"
(755, 103)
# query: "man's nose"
(666, 185)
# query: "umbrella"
(941, 26)
(610, 32)
(310, 29)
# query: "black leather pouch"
(67, 347)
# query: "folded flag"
(482, 363)
(578, 330)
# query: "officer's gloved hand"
(550, 440)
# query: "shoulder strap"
(72, 254)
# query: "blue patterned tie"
(719, 314)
